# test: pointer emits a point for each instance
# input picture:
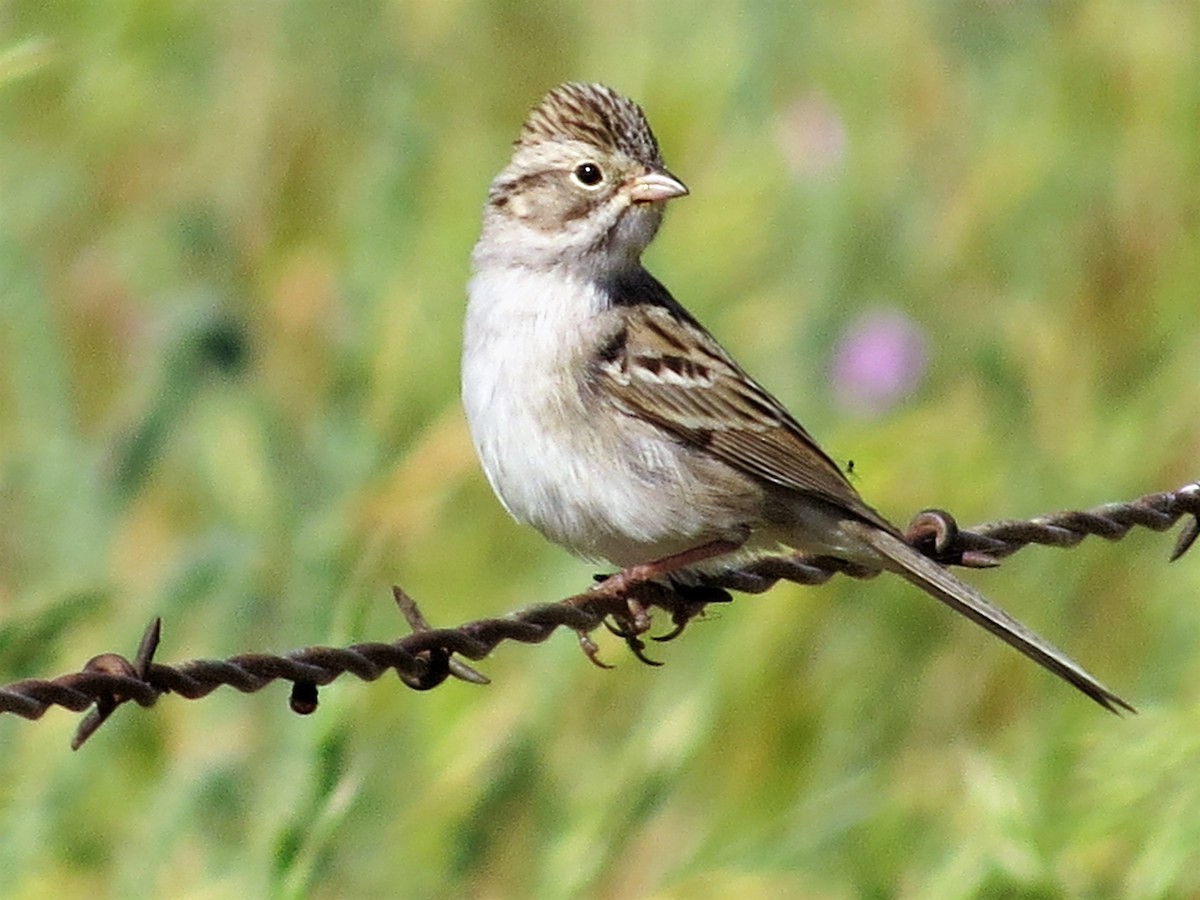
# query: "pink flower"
(878, 362)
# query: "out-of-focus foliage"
(233, 244)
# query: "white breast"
(615, 489)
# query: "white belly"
(600, 483)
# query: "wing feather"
(664, 367)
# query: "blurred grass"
(233, 244)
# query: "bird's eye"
(588, 174)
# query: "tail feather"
(938, 582)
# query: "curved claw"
(637, 647)
(675, 632)
(591, 651)
(620, 629)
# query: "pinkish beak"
(656, 187)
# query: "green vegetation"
(233, 244)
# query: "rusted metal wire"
(935, 533)
(428, 656)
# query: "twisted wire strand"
(427, 657)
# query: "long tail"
(938, 582)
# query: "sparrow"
(609, 419)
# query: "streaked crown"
(596, 115)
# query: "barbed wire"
(427, 657)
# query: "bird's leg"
(620, 583)
(631, 583)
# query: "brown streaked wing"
(670, 371)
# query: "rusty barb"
(428, 656)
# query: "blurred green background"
(234, 238)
